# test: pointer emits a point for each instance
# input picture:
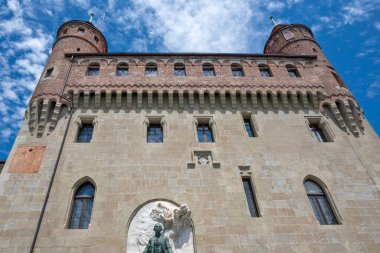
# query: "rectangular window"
(237, 73)
(208, 71)
(249, 128)
(49, 72)
(85, 133)
(317, 133)
(292, 73)
(250, 197)
(93, 71)
(179, 71)
(151, 71)
(204, 133)
(155, 134)
(264, 73)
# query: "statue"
(158, 243)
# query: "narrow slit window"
(251, 201)
(155, 133)
(82, 207)
(319, 203)
(85, 133)
(249, 128)
(204, 133)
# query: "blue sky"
(347, 30)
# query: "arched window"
(122, 69)
(292, 71)
(82, 206)
(81, 30)
(265, 71)
(319, 203)
(93, 69)
(237, 70)
(179, 69)
(208, 69)
(151, 69)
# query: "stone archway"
(175, 220)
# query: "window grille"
(82, 207)
(151, 70)
(179, 70)
(155, 134)
(204, 133)
(85, 133)
(237, 71)
(319, 203)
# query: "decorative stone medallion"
(175, 221)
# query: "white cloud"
(359, 10)
(275, 6)
(377, 25)
(373, 90)
(5, 133)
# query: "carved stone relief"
(175, 221)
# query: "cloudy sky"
(347, 30)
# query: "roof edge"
(190, 54)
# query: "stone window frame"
(290, 68)
(181, 66)
(205, 120)
(70, 204)
(236, 66)
(151, 66)
(85, 119)
(330, 199)
(93, 65)
(246, 174)
(264, 66)
(122, 65)
(49, 72)
(158, 119)
(254, 125)
(209, 67)
(321, 122)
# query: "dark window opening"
(82, 207)
(237, 70)
(317, 133)
(93, 70)
(81, 31)
(78, 49)
(265, 71)
(155, 134)
(338, 79)
(251, 201)
(204, 133)
(65, 31)
(122, 70)
(151, 69)
(49, 72)
(249, 128)
(292, 71)
(85, 133)
(208, 70)
(319, 203)
(96, 39)
(179, 70)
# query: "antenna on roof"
(102, 22)
(272, 19)
(91, 16)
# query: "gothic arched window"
(319, 203)
(82, 206)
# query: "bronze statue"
(158, 243)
